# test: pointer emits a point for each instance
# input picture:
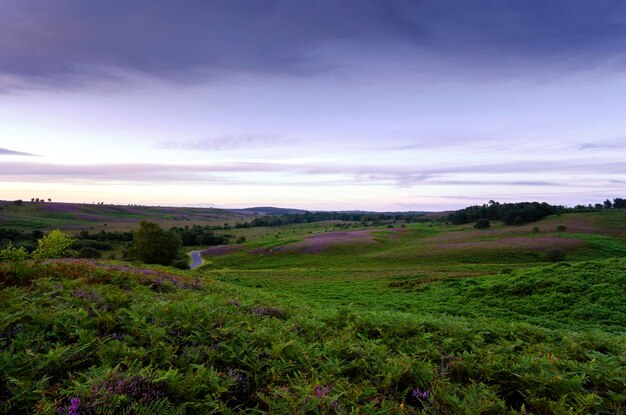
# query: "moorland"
(348, 313)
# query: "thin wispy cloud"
(7, 152)
(227, 142)
(284, 173)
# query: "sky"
(327, 105)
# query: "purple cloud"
(68, 42)
(325, 174)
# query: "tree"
(18, 202)
(154, 245)
(608, 204)
(482, 224)
(56, 244)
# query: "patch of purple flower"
(137, 388)
(241, 386)
(417, 393)
(268, 311)
(85, 295)
(72, 409)
(321, 392)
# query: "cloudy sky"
(369, 104)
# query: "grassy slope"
(75, 216)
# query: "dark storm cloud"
(64, 42)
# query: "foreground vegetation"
(331, 318)
(116, 338)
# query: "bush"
(241, 239)
(54, 245)
(536, 229)
(88, 252)
(181, 264)
(561, 228)
(554, 255)
(15, 269)
(482, 224)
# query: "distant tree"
(608, 204)
(56, 244)
(598, 206)
(32, 199)
(36, 200)
(49, 200)
(18, 202)
(482, 224)
(154, 245)
(619, 203)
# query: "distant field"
(74, 217)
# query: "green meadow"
(330, 318)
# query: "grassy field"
(331, 318)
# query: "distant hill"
(269, 210)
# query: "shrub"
(15, 269)
(554, 255)
(181, 263)
(561, 228)
(54, 245)
(536, 229)
(88, 252)
(482, 224)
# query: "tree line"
(523, 212)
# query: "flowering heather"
(416, 393)
(159, 280)
(268, 311)
(241, 386)
(85, 295)
(72, 409)
(138, 388)
(321, 392)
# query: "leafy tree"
(608, 204)
(56, 244)
(154, 245)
